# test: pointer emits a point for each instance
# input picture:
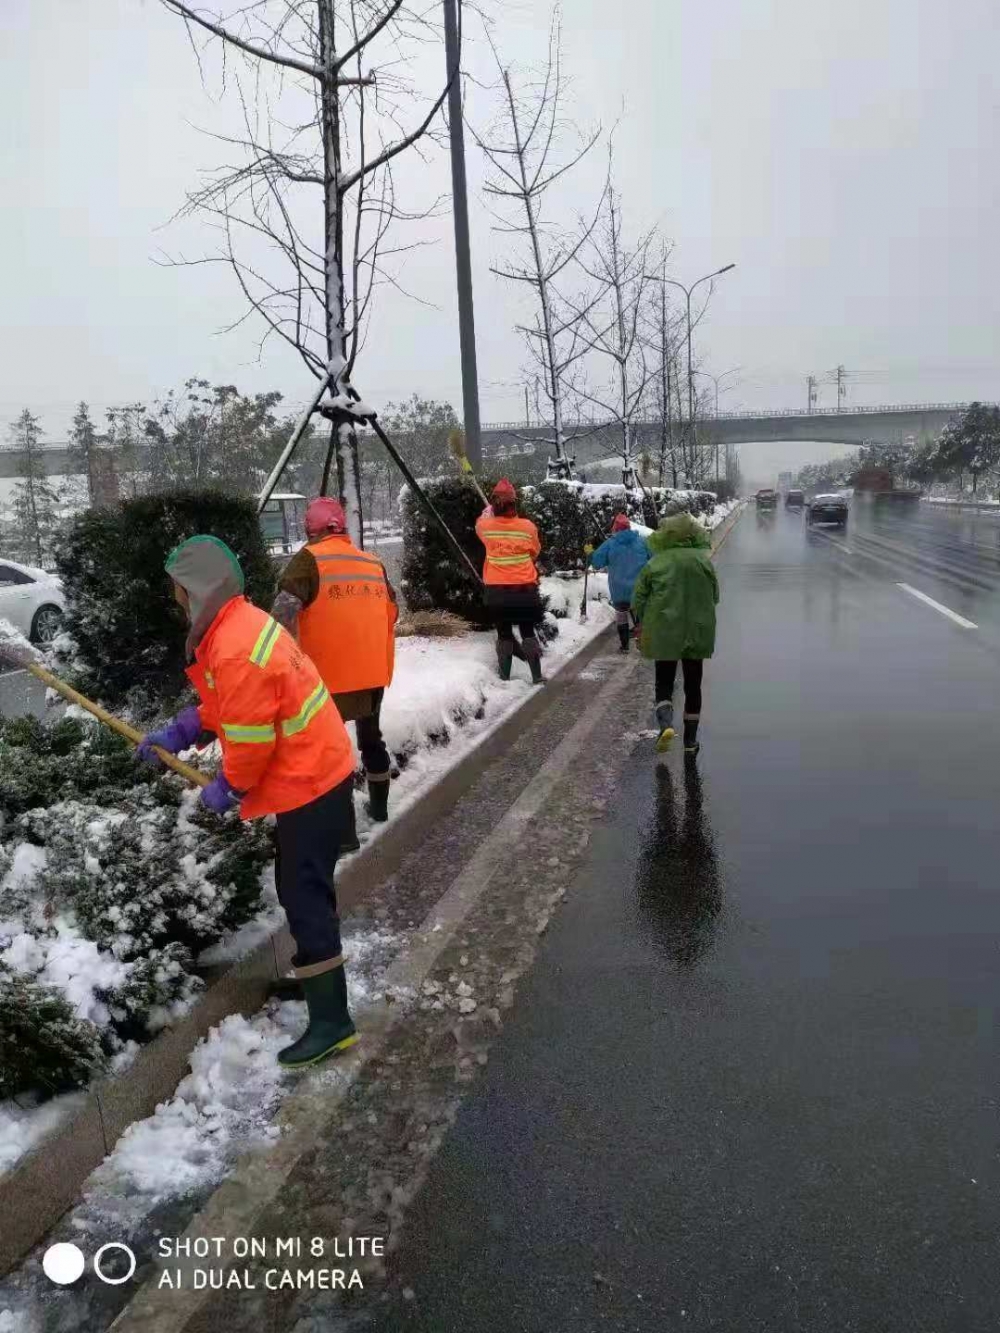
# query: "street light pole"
(715, 380)
(463, 259)
(688, 291)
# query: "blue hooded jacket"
(623, 555)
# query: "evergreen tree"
(127, 432)
(82, 444)
(35, 502)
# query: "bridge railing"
(866, 410)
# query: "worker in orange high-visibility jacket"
(510, 577)
(285, 752)
(338, 602)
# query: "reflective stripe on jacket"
(283, 742)
(349, 629)
(511, 547)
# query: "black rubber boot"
(691, 744)
(533, 656)
(377, 804)
(505, 659)
(285, 988)
(623, 638)
(330, 1029)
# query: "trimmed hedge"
(433, 577)
(568, 515)
(127, 630)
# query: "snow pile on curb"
(721, 513)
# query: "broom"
(456, 443)
(16, 652)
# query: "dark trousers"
(666, 675)
(505, 631)
(374, 752)
(307, 845)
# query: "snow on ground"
(960, 500)
(722, 512)
(223, 1108)
(446, 696)
(22, 1126)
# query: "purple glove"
(219, 796)
(180, 734)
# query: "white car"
(31, 600)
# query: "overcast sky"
(843, 155)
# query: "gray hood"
(210, 574)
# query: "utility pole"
(463, 260)
(812, 392)
(840, 375)
(527, 412)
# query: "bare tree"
(613, 325)
(662, 333)
(522, 149)
(324, 104)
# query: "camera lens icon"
(65, 1263)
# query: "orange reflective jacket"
(349, 629)
(283, 742)
(511, 547)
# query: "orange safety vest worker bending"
(338, 601)
(511, 579)
(285, 752)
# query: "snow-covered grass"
(976, 501)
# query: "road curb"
(46, 1182)
(722, 532)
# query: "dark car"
(767, 499)
(795, 499)
(827, 509)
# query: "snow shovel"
(456, 443)
(17, 652)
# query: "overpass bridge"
(507, 441)
(914, 423)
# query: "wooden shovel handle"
(193, 775)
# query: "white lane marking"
(952, 615)
(833, 541)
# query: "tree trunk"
(550, 358)
(345, 445)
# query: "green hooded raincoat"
(677, 592)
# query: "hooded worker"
(338, 602)
(510, 577)
(674, 600)
(285, 752)
(623, 555)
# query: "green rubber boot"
(330, 1029)
(505, 660)
(533, 656)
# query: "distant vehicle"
(767, 499)
(31, 600)
(827, 509)
(795, 499)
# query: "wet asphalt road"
(751, 1082)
